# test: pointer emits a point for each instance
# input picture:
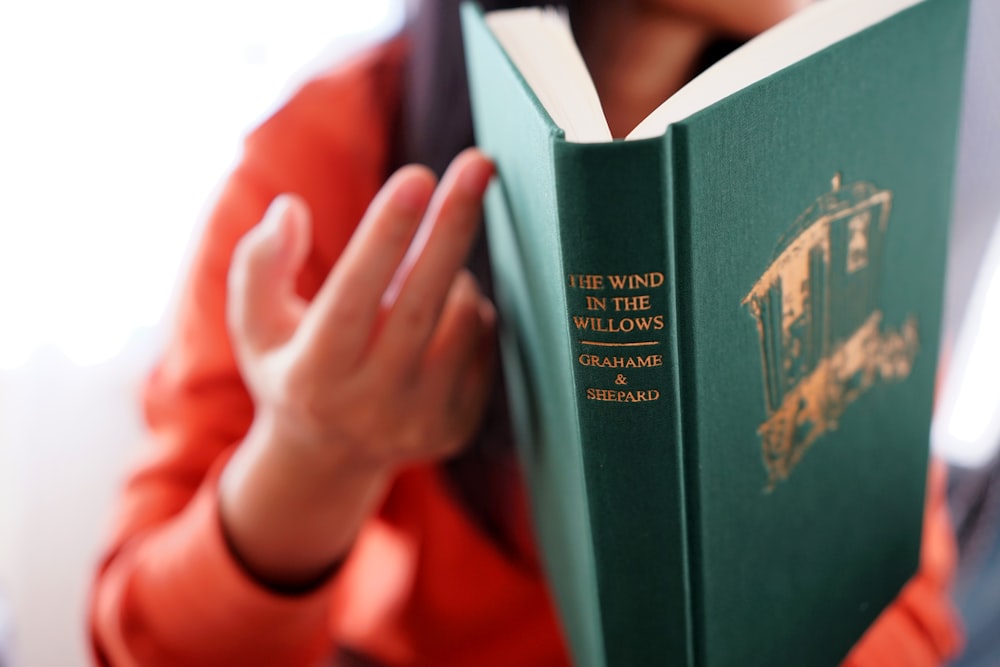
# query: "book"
(720, 335)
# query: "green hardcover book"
(720, 335)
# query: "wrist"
(291, 511)
(315, 458)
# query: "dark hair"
(435, 125)
(436, 119)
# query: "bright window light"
(979, 392)
(119, 119)
(967, 427)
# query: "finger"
(456, 386)
(263, 308)
(455, 341)
(476, 380)
(471, 393)
(342, 316)
(421, 285)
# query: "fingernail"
(271, 222)
(475, 177)
(274, 226)
(488, 312)
(413, 195)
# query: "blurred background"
(118, 120)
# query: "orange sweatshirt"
(423, 584)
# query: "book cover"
(720, 345)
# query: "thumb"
(263, 308)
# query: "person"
(331, 468)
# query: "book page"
(813, 29)
(540, 44)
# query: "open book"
(720, 336)
(540, 44)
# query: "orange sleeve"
(169, 591)
(921, 628)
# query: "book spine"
(679, 242)
(617, 259)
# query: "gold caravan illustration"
(821, 333)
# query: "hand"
(389, 364)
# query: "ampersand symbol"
(621, 379)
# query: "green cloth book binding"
(720, 336)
